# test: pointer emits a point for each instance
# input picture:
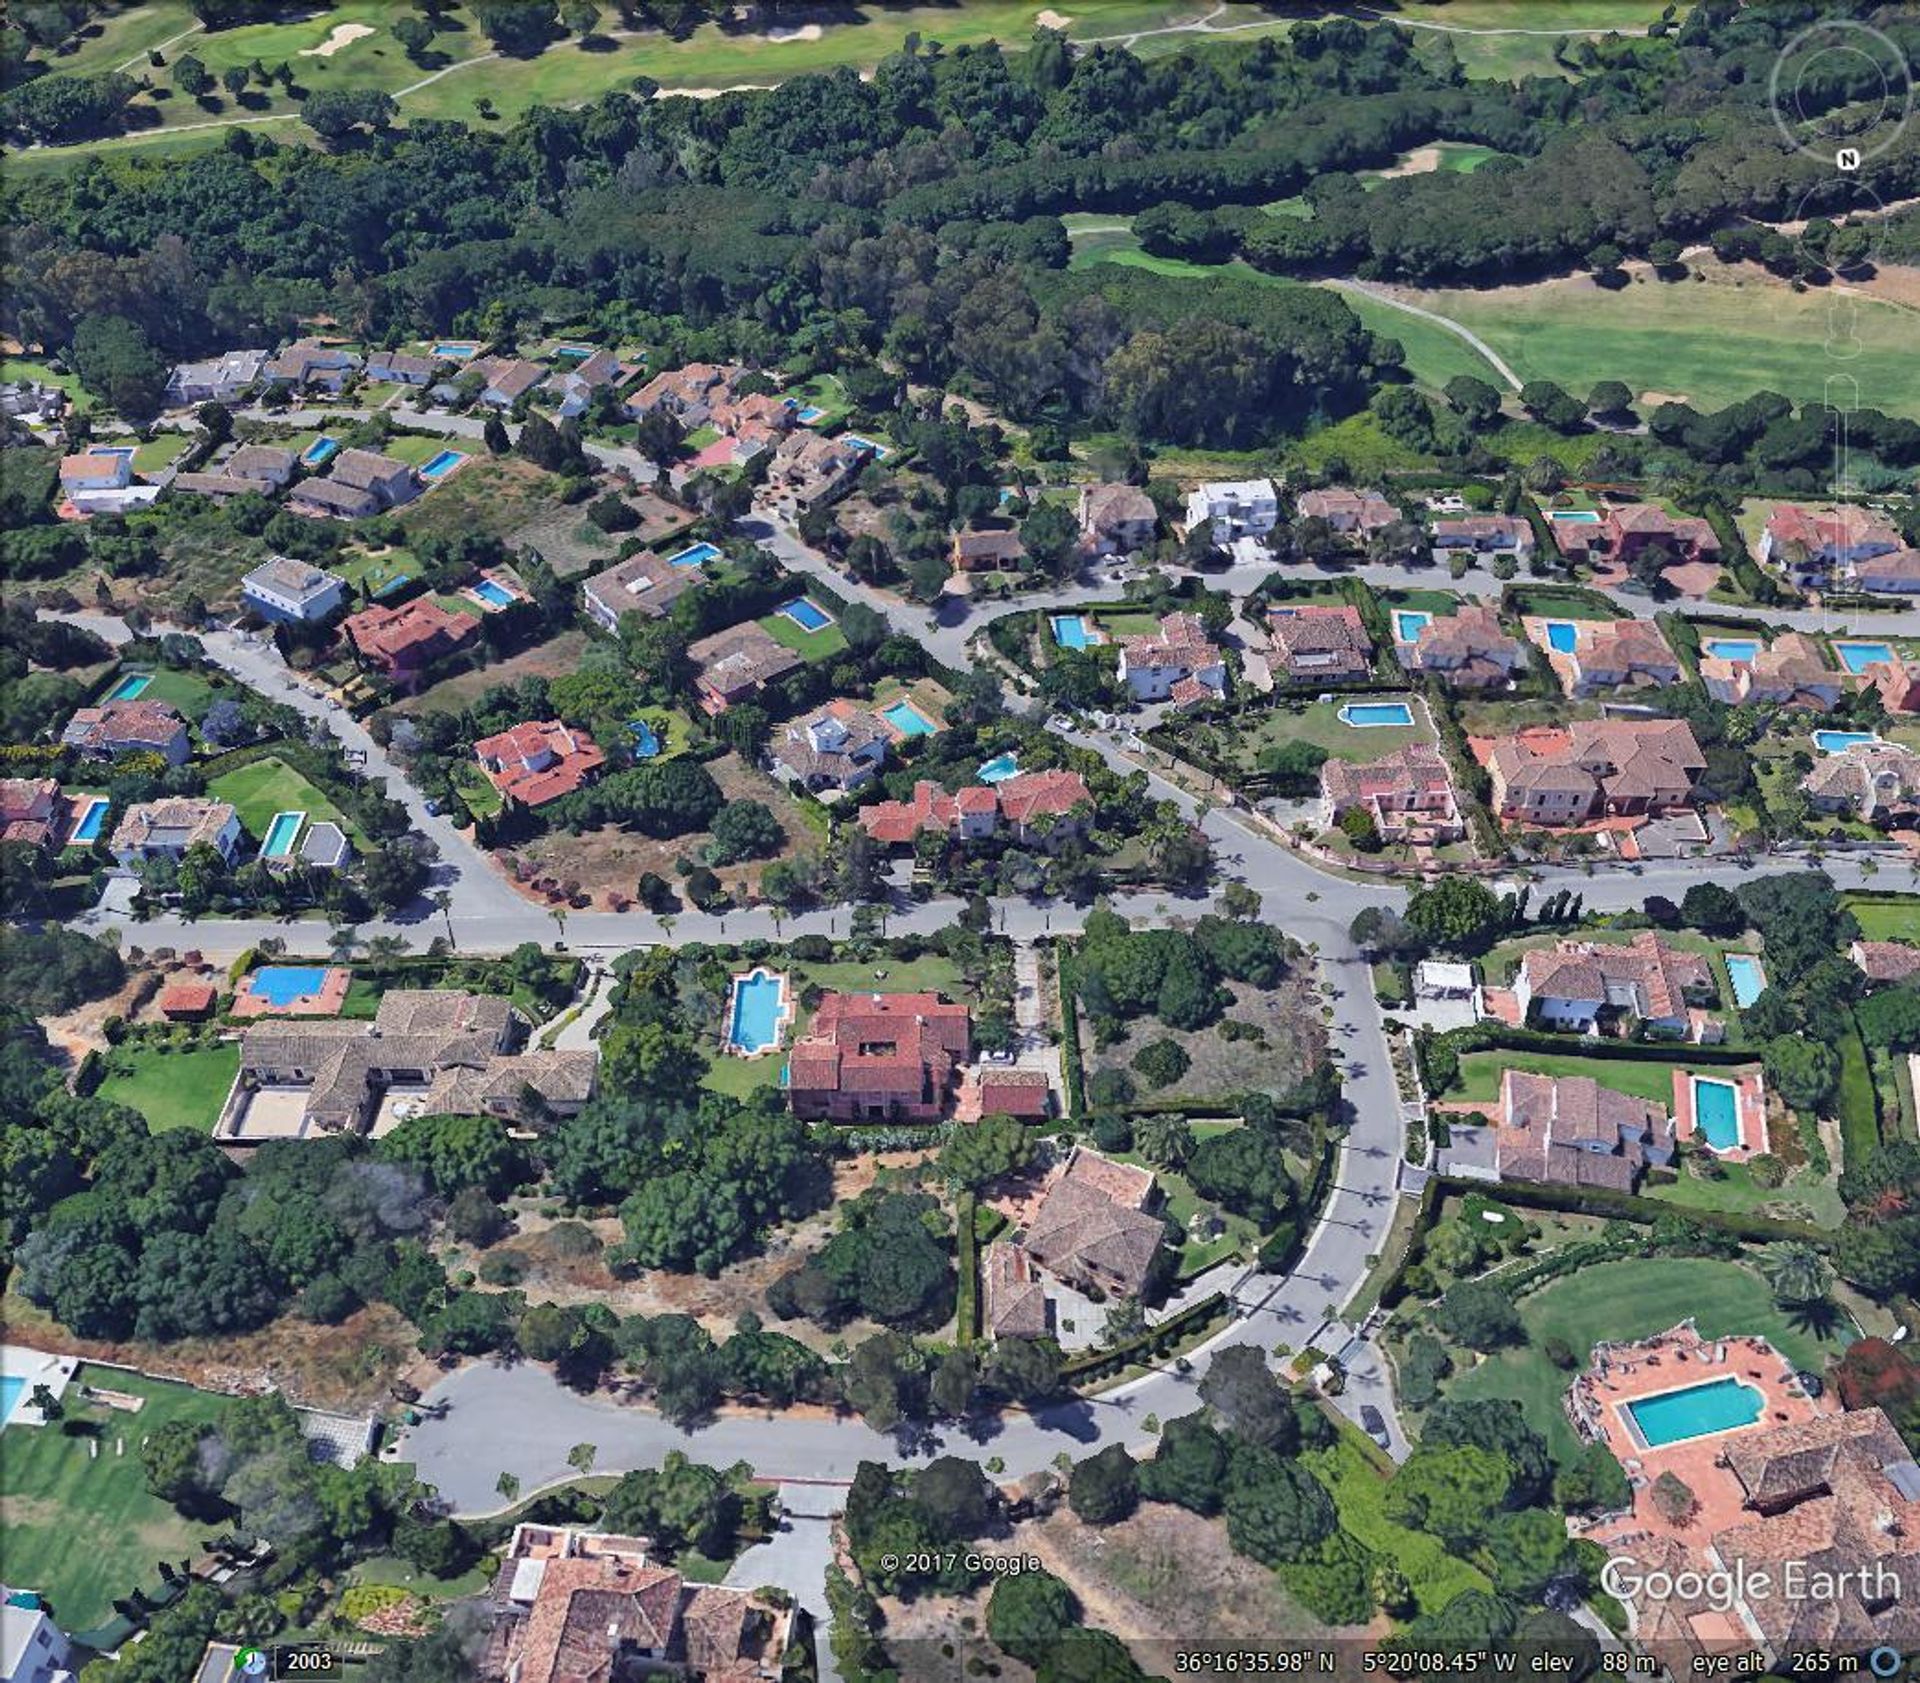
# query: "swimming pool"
(1574, 516)
(999, 769)
(1563, 636)
(1730, 648)
(1696, 1411)
(809, 616)
(880, 451)
(282, 833)
(456, 350)
(442, 464)
(573, 353)
(1372, 715)
(1716, 1109)
(1408, 624)
(282, 984)
(697, 555)
(1071, 631)
(319, 451)
(88, 829)
(759, 1004)
(1839, 741)
(11, 1385)
(493, 593)
(907, 719)
(808, 414)
(1748, 979)
(1857, 657)
(646, 744)
(134, 684)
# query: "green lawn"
(84, 1525)
(172, 1089)
(161, 450)
(415, 449)
(811, 646)
(1736, 1189)
(1434, 355)
(1629, 1300)
(1319, 723)
(187, 691)
(482, 798)
(1882, 920)
(267, 786)
(375, 572)
(31, 368)
(1479, 1081)
(1359, 1493)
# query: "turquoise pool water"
(1748, 979)
(1575, 516)
(1839, 741)
(1857, 657)
(88, 829)
(1407, 624)
(1562, 636)
(754, 1025)
(1716, 1107)
(1071, 631)
(646, 745)
(809, 616)
(457, 350)
(282, 984)
(853, 439)
(907, 719)
(1730, 648)
(319, 451)
(1698, 1411)
(442, 464)
(10, 1389)
(282, 833)
(1371, 715)
(999, 769)
(494, 595)
(573, 353)
(696, 556)
(130, 687)
(807, 415)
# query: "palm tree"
(342, 940)
(1798, 1274)
(384, 948)
(559, 916)
(443, 904)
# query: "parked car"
(1374, 1424)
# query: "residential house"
(96, 471)
(1571, 1131)
(1408, 794)
(32, 810)
(1317, 642)
(1246, 508)
(590, 1607)
(219, 379)
(1004, 1090)
(331, 499)
(879, 1057)
(403, 642)
(574, 386)
(187, 1002)
(402, 368)
(736, 663)
(812, 470)
(1468, 648)
(1885, 962)
(324, 847)
(1898, 684)
(438, 1052)
(1349, 512)
(1897, 574)
(1598, 768)
(391, 482)
(1570, 984)
(33, 1649)
(1811, 545)
(688, 394)
(1485, 534)
(1116, 519)
(1178, 663)
(219, 485)
(1626, 532)
(1613, 655)
(1875, 782)
(997, 550)
(309, 365)
(508, 379)
(538, 762)
(1789, 672)
(128, 727)
(271, 463)
(31, 402)
(1094, 1230)
(831, 752)
(644, 584)
(166, 829)
(1044, 809)
(291, 592)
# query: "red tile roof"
(903, 1043)
(401, 636)
(539, 761)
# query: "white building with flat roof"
(1242, 508)
(33, 1649)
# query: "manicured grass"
(111, 40)
(416, 450)
(172, 1089)
(16, 368)
(401, 1574)
(1434, 356)
(160, 451)
(1629, 1300)
(483, 800)
(1886, 920)
(1736, 1189)
(1712, 341)
(1120, 622)
(823, 644)
(1360, 1494)
(1479, 1080)
(82, 1528)
(375, 572)
(1319, 723)
(267, 786)
(186, 691)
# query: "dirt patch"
(567, 541)
(793, 32)
(1893, 283)
(1423, 160)
(1292, 1041)
(1164, 1569)
(554, 658)
(342, 35)
(1655, 399)
(713, 93)
(942, 1639)
(1052, 20)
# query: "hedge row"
(1072, 1071)
(967, 1257)
(1858, 1103)
(1153, 1343)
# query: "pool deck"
(34, 1367)
(782, 1014)
(326, 1003)
(1750, 1107)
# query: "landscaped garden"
(1641, 1078)
(171, 1087)
(258, 790)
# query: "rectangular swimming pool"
(88, 829)
(1408, 624)
(1574, 516)
(1563, 636)
(456, 350)
(1696, 1411)
(282, 833)
(281, 984)
(1857, 657)
(11, 1385)
(1839, 741)
(1372, 715)
(758, 1005)
(880, 451)
(1748, 979)
(1716, 1108)
(319, 451)
(1071, 631)
(442, 464)
(495, 595)
(130, 687)
(907, 719)
(696, 555)
(809, 616)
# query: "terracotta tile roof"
(1035, 794)
(176, 823)
(187, 999)
(902, 1043)
(1021, 799)
(1472, 634)
(1016, 1298)
(1319, 639)
(740, 658)
(644, 583)
(1828, 530)
(1874, 775)
(1417, 769)
(1885, 961)
(587, 1610)
(133, 724)
(1367, 511)
(366, 470)
(416, 627)
(539, 761)
(1181, 641)
(1093, 1221)
(893, 822)
(1013, 1092)
(1654, 977)
(1104, 507)
(1899, 570)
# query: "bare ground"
(1287, 1015)
(554, 658)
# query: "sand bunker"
(793, 32)
(343, 35)
(1052, 20)
(1423, 162)
(1658, 398)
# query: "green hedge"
(1155, 1342)
(1858, 1103)
(1482, 1037)
(967, 1257)
(1072, 1072)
